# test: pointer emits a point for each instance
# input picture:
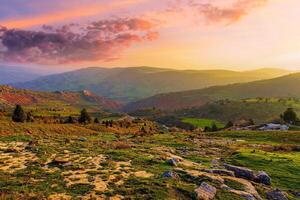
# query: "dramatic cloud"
(234, 12)
(215, 12)
(99, 41)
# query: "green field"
(202, 123)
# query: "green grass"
(284, 168)
(272, 137)
(144, 154)
(202, 123)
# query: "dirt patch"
(143, 174)
(60, 196)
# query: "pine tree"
(84, 117)
(96, 121)
(19, 114)
(214, 127)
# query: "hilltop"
(131, 84)
(282, 87)
(10, 96)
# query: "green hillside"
(130, 84)
(282, 87)
(260, 110)
(54, 103)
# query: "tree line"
(20, 116)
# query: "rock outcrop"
(241, 172)
(276, 195)
(206, 192)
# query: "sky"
(181, 34)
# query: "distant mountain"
(282, 87)
(130, 84)
(10, 96)
(10, 74)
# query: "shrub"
(84, 117)
(214, 127)
(29, 117)
(289, 116)
(96, 121)
(69, 120)
(19, 114)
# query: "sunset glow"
(182, 34)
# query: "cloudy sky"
(198, 34)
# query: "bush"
(96, 121)
(289, 116)
(229, 124)
(69, 120)
(214, 127)
(29, 117)
(84, 117)
(19, 114)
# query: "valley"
(198, 144)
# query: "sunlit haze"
(181, 34)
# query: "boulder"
(276, 195)
(263, 177)
(220, 172)
(173, 161)
(205, 192)
(241, 172)
(170, 174)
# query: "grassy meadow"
(72, 161)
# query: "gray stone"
(170, 174)
(220, 172)
(206, 192)
(241, 172)
(173, 161)
(67, 164)
(276, 195)
(263, 177)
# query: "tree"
(96, 121)
(214, 127)
(289, 116)
(84, 117)
(229, 124)
(19, 114)
(69, 120)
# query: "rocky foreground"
(112, 166)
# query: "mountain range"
(12, 74)
(134, 83)
(281, 87)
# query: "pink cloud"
(232, 13)
(102, 40)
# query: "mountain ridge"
(133, 83)
(281, 87)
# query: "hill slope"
(282, 87)
(10, 74)
(10, 96)
(130, 84)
